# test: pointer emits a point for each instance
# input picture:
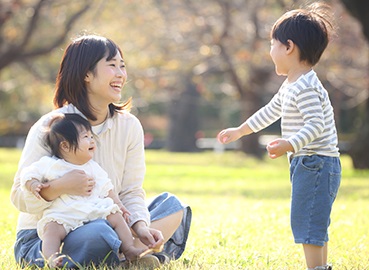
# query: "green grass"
(240, 211)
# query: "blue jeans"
(96, 242)
(315, 181)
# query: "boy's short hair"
(65, 127)
(308, 28)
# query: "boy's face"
(278, 52)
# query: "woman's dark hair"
(81, 57)
(65, 127)
(308, 28)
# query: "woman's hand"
(152, 238)
(78, 182)
(75, 182)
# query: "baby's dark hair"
(65, 127)
(308, 28)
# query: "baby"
(71, 141)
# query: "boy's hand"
(229, 135)
(278, 147)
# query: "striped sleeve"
(267, 115)
(309, 106)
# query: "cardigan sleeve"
(33, 151)
(132, 194)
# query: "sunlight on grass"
(240, 211)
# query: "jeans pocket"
(312, 163)
(334, 184)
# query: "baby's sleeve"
(103, 182)
(35, 171)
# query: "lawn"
(240, 211)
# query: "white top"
(307, 116)
(120, 152)
(68, 210)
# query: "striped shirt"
(307, 119)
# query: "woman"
(90, 80)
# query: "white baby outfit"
(68, 210)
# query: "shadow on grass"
(350, 192)
(267, 194)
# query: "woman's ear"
(88, 77)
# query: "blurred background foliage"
(194, 67)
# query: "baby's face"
(86, 146)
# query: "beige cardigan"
(120, 152)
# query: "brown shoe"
(147, 262)
(163, 257)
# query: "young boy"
(71, 141)
(309, 135)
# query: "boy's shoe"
(163, 257)
(326, 267)
(147, 262)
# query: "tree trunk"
(251, 101)
(360, 146)
(359, 9)
(250, 143)
(183, 120)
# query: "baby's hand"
(36, 186)
(126, 213)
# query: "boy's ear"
(290, 47)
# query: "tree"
(18, 40)
(360, 146)
(359, 9)
(215, 43)
(29, 31)
(212, 52)
(223, 47)
(231, 40)
(183, 114)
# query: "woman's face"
(105, 83)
